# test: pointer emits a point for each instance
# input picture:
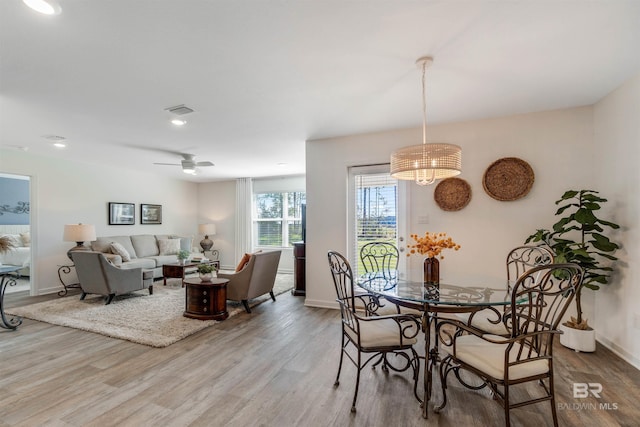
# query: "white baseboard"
(625, 355)
(321, 304)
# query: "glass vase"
(431, 271)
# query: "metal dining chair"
(367, 336)
(519, 260)
(379, 256)
(539, 299)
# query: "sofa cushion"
(118, 249)
(145, 244)
(169, 246)
(161, 260)
(103, 244)
(26, 239)
(185, 242)
(139, 263)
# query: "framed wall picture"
(150, 214)
(122, 213)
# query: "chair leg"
(246, 305)
(84, 294)
(109, 299)
(273, 297)
(337, 383)
(355, 395)
(552, 393)
(151, 290)
(507, 420)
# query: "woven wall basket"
(452, 194)
(508, 179)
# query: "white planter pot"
(578, 340)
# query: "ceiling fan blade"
(168, 164)
(204, 164)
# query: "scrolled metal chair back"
(523, 258)
(342, 280)
(379, 256)
(539, 299)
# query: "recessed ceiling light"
(60, 145)
(281, 164)
(179, 122)
(48, 7)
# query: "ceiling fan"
(188, 163)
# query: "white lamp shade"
(79, 233)
(207, 229)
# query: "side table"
(206, 300)
(8, 274)
(66, 269)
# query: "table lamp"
(206, 229)
(78, 233)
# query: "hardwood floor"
(274, 367)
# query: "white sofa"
(143, 250)
(20, 254)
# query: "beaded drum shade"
(426, 163)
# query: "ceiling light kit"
(179, 110)
(426, 163)
(47, 7)
(57, 140)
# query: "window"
(277, 218)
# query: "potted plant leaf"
(579, 237)
(183, 255)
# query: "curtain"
(244, 194)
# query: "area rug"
(154, 320)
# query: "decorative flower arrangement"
(183, 254)
(431, 244)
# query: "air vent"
(180, 110)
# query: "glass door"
(377, 212)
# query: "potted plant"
(578, 237)
(183, 255)
(206, 272)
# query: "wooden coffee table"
(206, 300)
(177, 271)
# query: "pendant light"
(426, 163)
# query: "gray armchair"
(256, 278)
(99, 276)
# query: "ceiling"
(264, 76)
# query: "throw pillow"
(244, 261)
(26, 239)
(169, 246)
(118, 249)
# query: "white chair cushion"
(381, 333)
(481, 321)
(489, 357)
(391, 308)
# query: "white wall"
(617, 141)
(217, 204)
(557, 144)
(66, 192)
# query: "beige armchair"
(99, 276)
(256, 278)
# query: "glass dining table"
(434, 299)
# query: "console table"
(206, 300)
(8, 274)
